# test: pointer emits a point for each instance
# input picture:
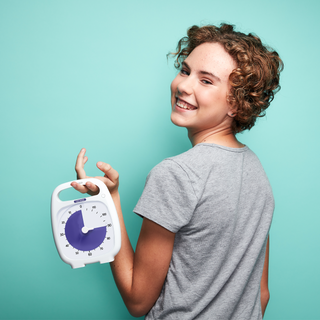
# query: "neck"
(223, 137)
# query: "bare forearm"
(122, 266)
(140, 275)
(124, 271)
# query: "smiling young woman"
(199, 95)
(203, 247)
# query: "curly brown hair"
(256, 78)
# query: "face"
(199, 92)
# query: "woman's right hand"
(110, 178)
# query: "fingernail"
(99, 164)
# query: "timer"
(85, 230)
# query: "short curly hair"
(256, 78)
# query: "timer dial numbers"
(86, 230)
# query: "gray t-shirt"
(219, 202)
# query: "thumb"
(109, 172)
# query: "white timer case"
(58, 206)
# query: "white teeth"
(182, 105)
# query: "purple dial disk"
(79, 240)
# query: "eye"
(206, 82)
(184, 72)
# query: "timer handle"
(55, 195)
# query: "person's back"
(221, 219)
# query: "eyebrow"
(203, 72)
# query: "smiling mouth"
(185, 105)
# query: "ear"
(233, 108)
(232, 113)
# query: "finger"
(81, 160)
(109, 172)
(79, 187)
(80, 157)
(92, 187)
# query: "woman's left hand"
(110, 178)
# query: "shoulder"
(173, 165)
(181, 160)
(168, 197)
(169, 172)
(206, 156)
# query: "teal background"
(94, 74)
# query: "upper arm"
(151, 263)
(264, 290)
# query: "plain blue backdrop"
(94, 74)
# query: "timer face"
(85, 230)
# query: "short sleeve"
(168, 198)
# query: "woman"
(202, 252)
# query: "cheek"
(174, 85)
(215, 100)
(173, 88)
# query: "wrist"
(115, 195)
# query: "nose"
(185, 86)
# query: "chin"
(176, 120)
